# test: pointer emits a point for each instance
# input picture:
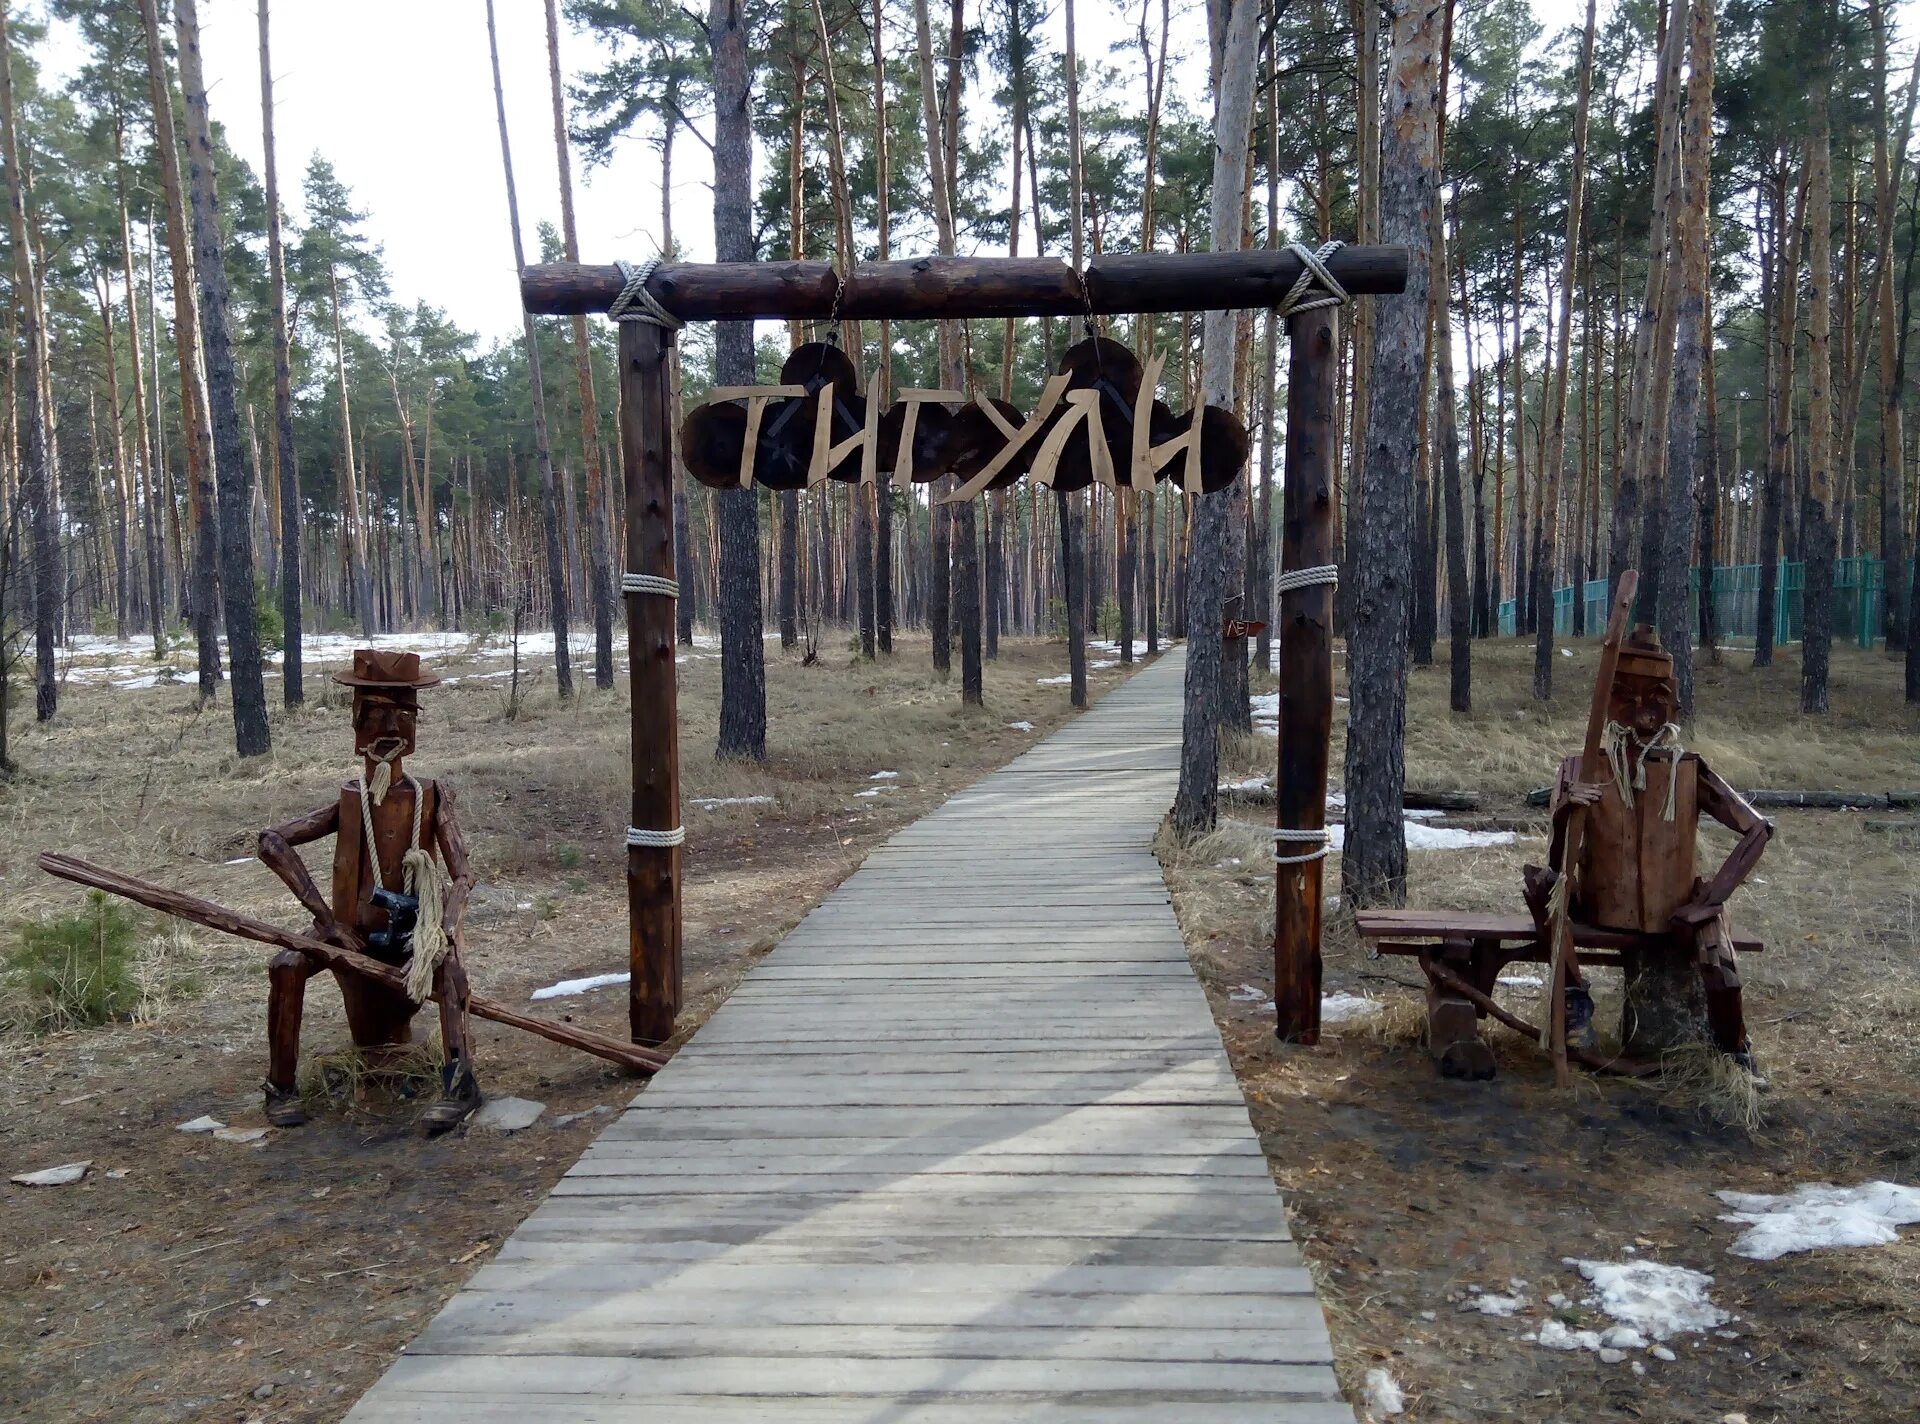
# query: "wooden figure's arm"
(453, 854)
(1562, 805)
(1732, 810)
(277, 854)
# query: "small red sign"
(1240, 628)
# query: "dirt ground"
(192, 1279)
(1410, 1192)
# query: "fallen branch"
(1599, 1062)
(218, 917)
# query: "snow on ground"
(1060, 681)
(1347, 1008)
(1488, 1303)
(1384, 1396)
(568, 988)
(873, 791)
(714, 803)
(1252, 783)
(1248, 994)
(884, 776)
(1424, 837)
(1820, 1215)
(1653, 1298)
(1021, 726)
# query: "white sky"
(398, 95)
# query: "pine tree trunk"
(1692, 336)
(1817, 531)
(1554, 472)
(1235, 37)
(1779, 474)
(599, 526)
(292, 681)
(36, 481)
(1373, 866)
(743, 677)
(187, 347)
(550, 513)
(250, 734)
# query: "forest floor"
(1414, 1196)
(187, 1278)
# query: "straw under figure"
(1638, 865)
(401, 880)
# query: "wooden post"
(653, 872)
(1306, 668)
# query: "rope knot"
(1300, 296)
(635, 302)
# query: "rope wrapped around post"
(1287, 581)
(1300, 296)
(635, 302)
(650, 583)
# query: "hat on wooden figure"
(373, 667)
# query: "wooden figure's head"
(1644, 695)
(386, 701)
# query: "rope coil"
(649, 583)
(1290, 579)
(656, 840)
(1300, 296)
(1322, 843)
(420, 876)
(635, 302)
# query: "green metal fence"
(1859, 594)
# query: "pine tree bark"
(235, 503)
(599, 524)
(1779, 472)
(743, 676)
(1373, 865)
(1692, 336)
(1235, 38)
(1816, 521)
(550, 514)
(36, 480)
(1553, 474)
(187, 346)
(292, 679)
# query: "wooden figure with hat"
(1635, 868)
(401, 880)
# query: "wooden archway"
(935, 288)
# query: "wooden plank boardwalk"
(964, 1149)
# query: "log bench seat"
(1477, 947)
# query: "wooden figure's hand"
(1586, 793)
(339, 936)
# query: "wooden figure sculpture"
(1635, 869)
(401, 879)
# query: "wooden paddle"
(218, 917)
(1592, 763)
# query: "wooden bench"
(1477, 948)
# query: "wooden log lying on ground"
(1416, 799)
(1599, 1062)
(218, 917)
(1892, 825)
(925, 288)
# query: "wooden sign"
(1096, 422)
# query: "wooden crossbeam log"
(928, 288)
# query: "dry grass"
(352, 1228)
(1407, 1190)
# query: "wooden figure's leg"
(459, 1088)
(1453, 1034)
(287, 975)
(1720, 976)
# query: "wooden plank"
(965, 1146)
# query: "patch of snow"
(567, 988)
(1489, 1304)
(201, 1124)
(242, 860)
(1345, 1008)
(1424, 815)
(1021, 726)
(1384, 1396)
(1424, 837)
(1248, 994)
(1060, 681)
(62, 1176)
(1661, 1352)
(1252, 783)
(1656, 1299)
(1566, 652)
(714, 803)
(1523, 981)
(1557, 1335)
(240, 1136)
(508, 1114)
(873, 791)
(1103, 664)
(884, 776)
(1820, 1215)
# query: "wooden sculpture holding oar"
(390, 931)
